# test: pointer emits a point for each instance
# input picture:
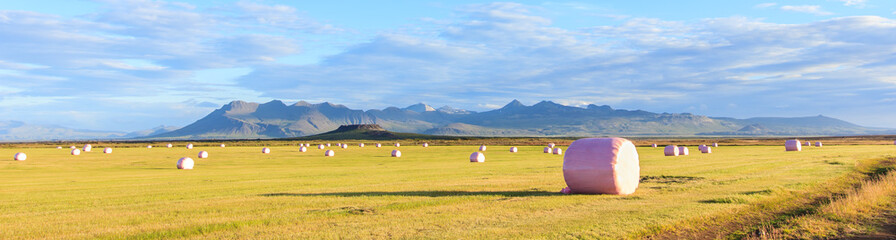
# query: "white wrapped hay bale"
(19, 156)
(715, 144)
(818, 144)
(170, 145)
(706, 149)
(701, 147)
(558, 151)
(265, 150)
(425, 144)
(513, 149)
(602, 166)
(683, 151)
(671, 151)
(482, 147)
(185, 163)
(303, 149)
(222, 145)
(653, 145)
(808, 143)
(328, 144)
(477, 157)
(59, 147)
(321, 146)
(203, 154)
(76, 152)
(329, 153)
(379, 145)
(548, 149)
(148, 146)
(397, 144)
(551, 145)
(190, 146)
(73, 147)
(87, 148)
(107, 150)
(344, 146)
(360, 144)
(793, 145)
(396, 153)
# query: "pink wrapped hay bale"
(203, 154)
(602, 166)
(557, 151)
(425, 144)
(396, 153)
(107, 150)
(185, 163)
(653, 145)
(76, 152)
(265, 150)
(715, 144)
(87, 148)
(190, 146)
(321, 146)
(818, 144)
(360, 144)
(513, 149)
(481, 147)
(20, 156)
(379, 145)
(548, 149)
(303, 149)
(329, 153)
(706, 150)
(551, 145)
(477, 157)
(671, 150)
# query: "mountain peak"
(513, 104)
(420, 107)
(451, 110)
(302, 104)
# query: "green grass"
(430, 193)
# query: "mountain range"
(21, 131)
(275, 119)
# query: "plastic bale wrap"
(671, 151)
(477, 157)
(793, 145)
(602, 166)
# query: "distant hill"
(275, 119)
(368, 132)
(21, 131)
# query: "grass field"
(431, 193)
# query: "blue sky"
(133, 65)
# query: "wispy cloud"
(855, 3)
(811, 9)
(765, 5)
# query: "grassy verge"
(846, 205)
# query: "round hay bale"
(73, 147)
(551, 145)
(548, 149)
(653, 145)
(87, 148)
(808, 143)
(330, 153)
(344, 145)
(482, 147)
(360, 144)
(793, 145)
(222, 145)
(328, 144)
(169, 145)
(683, 151)
(76, 152)
(303, 149)
(265, 150)
(321, 146)
(513, 149)
(671, 151)
(701, 147)
(379, 145)
(190, 146)
(558, 151)
(397, 144)
(425, 144)
(185, 163)
(396, 153)
(203, 154)
(818, 144)
(477, 157)
(19, 156)
(602, 166)
(107, 150)
(706, 150)
(60, 147)
(148, 146)
(715, 144)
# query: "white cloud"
(811, 9)
(856, 3)
(765, 5)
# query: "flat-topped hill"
(368, 132)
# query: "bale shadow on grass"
(421, 194)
